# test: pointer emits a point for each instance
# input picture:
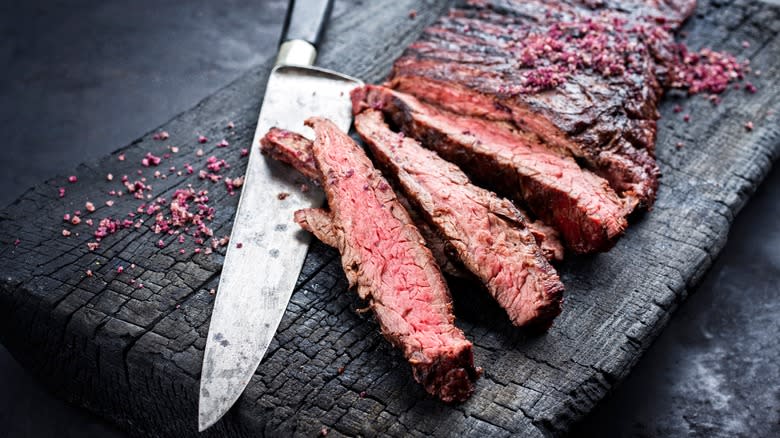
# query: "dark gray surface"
(713, 368)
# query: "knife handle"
(303, 29)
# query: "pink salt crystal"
(120, 269)
(160, 243)
(223, 144)
(61, 192)
(750, 88)
(202, 139)
(239, 245)
(121, 157)
(88, 273)
(150, 160)
(677, 109)
(196, 250)
(90, 207)
(181, 251)
(109, 203)
(75, 220)
(17, 242)
(687, 118)
(749, 126)
(66, 217)
(110, 177)
(746, 44)
(88, 222)
(199, 153)
(174, 149)
(231, 125)
(72, 179)
(244, 152)
(65, 233)
(93, 245)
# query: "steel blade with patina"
(267, 249)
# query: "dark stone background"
(80, 78)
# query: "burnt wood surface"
(133, 355)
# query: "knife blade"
(267, 249)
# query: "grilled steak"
(581, 205)
(488, 234)
(385, 260)
(584, 77)
(296, 150)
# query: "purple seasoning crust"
(582, 77)
(488, 234)
(385, 260)
(579, 204)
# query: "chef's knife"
(266, 250)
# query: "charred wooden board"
(133, 354)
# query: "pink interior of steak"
(488, 234)
(384, 258)
(579, 204)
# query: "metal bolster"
(296, 52)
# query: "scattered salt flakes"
(238, 182)
(178, 306)
(120, 269)
(244, 152)
(679, 145)
(161, 136)
(749, 125)
(189, 168)
(90, 207)
(140, 285)
(202, 139)
(61, 192)
(88, 273)
(174, 149)
(110, 177)
(157, 174)
(677, 109)
(224, 240)
(93, 246)
(66, 217)
(282, 196)
(212, 291)
(121, 157)
(17, 242)
(750, 88)
(65, 233)
(239, 245)
(182, 251)
(746, 44)
(362, 394)
(132, 265)
(150, 160)
(687, 118)
(413, 14)
(75, 220)
(324, 431)
(223, 144)
(199, 153)
(72, 179)
(160, 243)
(109, 203)
(231, 125)
(88, 222)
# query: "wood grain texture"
(134, 355)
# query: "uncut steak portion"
(579, 204)
(385, 260)
(582, 77)
(488, 234)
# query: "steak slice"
(385, 260)
(583, 77)
(488, 234)
(581, 205)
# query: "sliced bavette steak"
(581, 76)
(295, 150)
(385, 260)
(488, 234)
(581, 205)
